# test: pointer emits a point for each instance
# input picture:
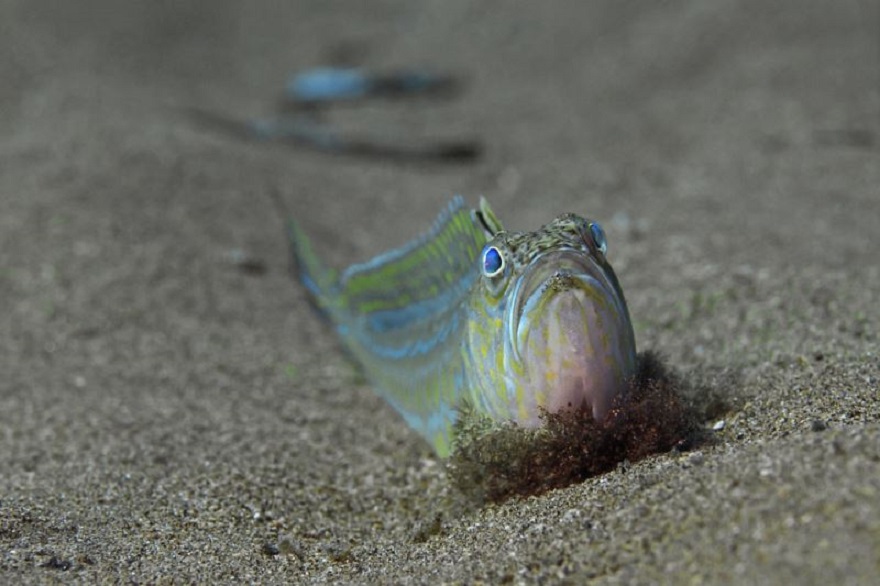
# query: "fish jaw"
(573, 341)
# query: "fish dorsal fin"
(422, 278)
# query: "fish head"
(549, 328)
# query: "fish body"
(511, 323)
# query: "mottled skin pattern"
(511, 322)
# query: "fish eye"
(493, 262)
(598, 235)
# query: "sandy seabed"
(169, 413)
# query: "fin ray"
(421, 278)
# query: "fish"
(508, 324)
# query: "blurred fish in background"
(308, 96)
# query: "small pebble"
(571, 515)
(57, 563)
(289, 545)
(818, 425)
(718, 425)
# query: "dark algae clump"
(663, 411)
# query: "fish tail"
(320, 281)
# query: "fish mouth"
(570, 335)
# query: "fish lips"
(569, 332)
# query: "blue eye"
(598, 235)
(493, 263)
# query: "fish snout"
(561, 280)
(576, 344)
